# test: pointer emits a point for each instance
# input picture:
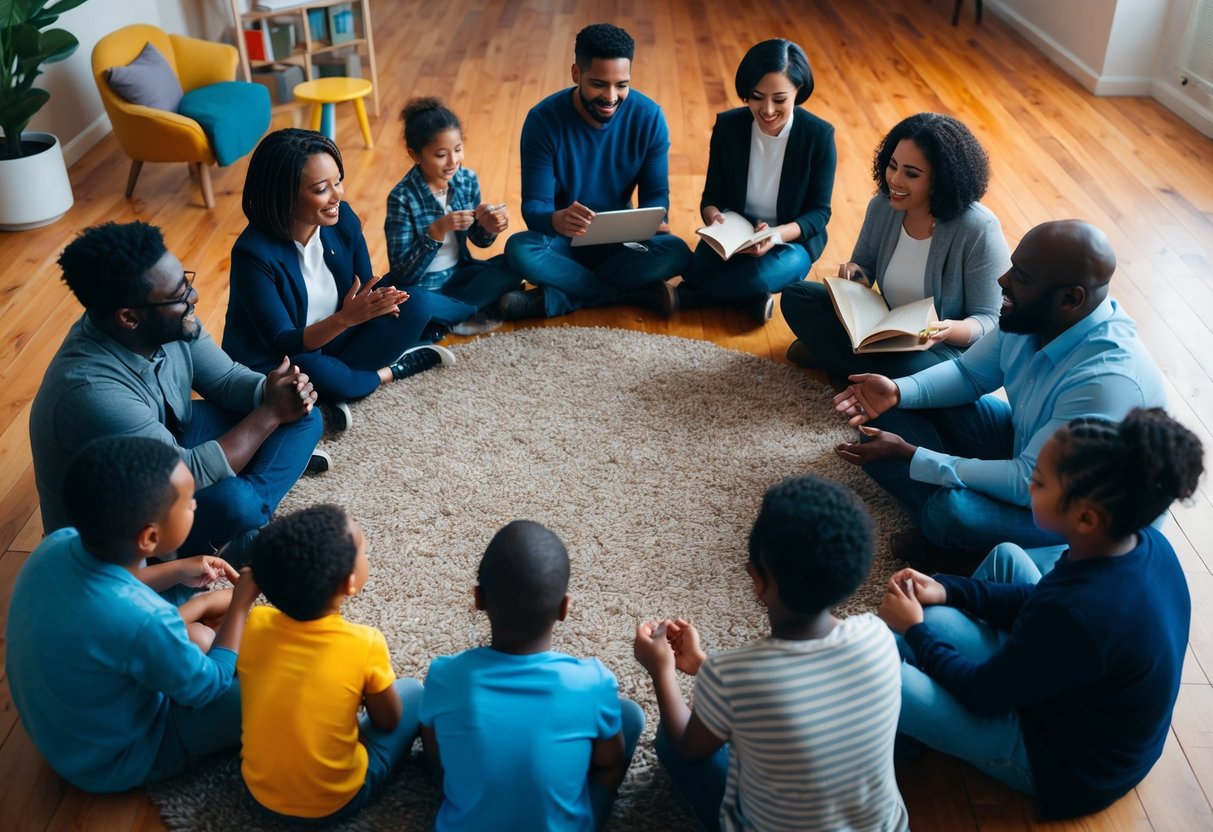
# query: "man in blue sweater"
(584, 150)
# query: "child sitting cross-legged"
(308, 760)
(100, 667)
(794, 731)
(1062, 689)
(524, 737)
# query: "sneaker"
(433, 332)
(660, 298)
(319, 463)
(342, 418)
(419, 359)
(762, 307)
(478, 324)
(518, 304)
(237, 550)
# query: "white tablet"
(628, 226)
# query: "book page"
(908, 319)
(859, 309)
(732, 235)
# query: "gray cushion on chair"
(147, 80)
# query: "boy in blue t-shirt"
(524, 737)
(101, 668)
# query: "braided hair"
(1134, 469)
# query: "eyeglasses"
(186, 276)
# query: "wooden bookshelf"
(307, 44)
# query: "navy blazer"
(267, 311)
(806, 182)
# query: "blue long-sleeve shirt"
(1097, 367)
(1092, 664)
(565, 160)
(95, 660)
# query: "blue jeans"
(384, 751)
(744, 277)
(602, 798)
(348, 366)
(194, 733)
(957, 518)
(931, 715)
(810, 313)
(471, 286)
(701, 784)
(1011, 564)
(235, 505)
(593, 275)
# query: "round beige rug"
(647, 454)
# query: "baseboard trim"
(86, 139)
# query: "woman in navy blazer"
(302, 283)
(773, 162)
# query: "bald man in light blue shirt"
(959, 459)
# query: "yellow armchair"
(150, 135)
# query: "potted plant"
(34, 188)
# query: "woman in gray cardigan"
(924, 235)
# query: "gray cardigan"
(967, 256)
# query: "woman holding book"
(782, 184)
(924, 235)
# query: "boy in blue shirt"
(524, 737)
(102, 671)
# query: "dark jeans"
(472, 286)
(593, 275)
(958, 518)
(743, 277)
(810, 313)
(238, 504)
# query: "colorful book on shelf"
(257, 44)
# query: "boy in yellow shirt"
(304, 672)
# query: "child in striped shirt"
(794, 731)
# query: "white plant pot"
(34, 190)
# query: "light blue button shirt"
(1097, 367)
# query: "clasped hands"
(662, 646)
(494, 219)
(907, 593)
(868, 396)
(365, 301)
(289, 394)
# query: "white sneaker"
(319, 463)
(342, 417)
(419, 359)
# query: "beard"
(588, 105)
(1029, 319)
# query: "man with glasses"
(127, 368)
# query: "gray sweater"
(968, 254)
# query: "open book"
(873, 326)
(731, 236)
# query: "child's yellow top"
(301, 684)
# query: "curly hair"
(301, 560)
(776, 55)
(425, 118)
(602, 40)
(106, 266)
(960, 167)
(815, 539)
(117, 485)
(523, 578)
(1134, 469)
(271, 185)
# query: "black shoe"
(660, 298)
(799, 353)
(419, 359)
(433, 333)
(762, 307)
(342, 418)
(319, 463)
(518, 304)
(237, 550)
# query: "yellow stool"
(324, 93)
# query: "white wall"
(1115, 47)
(74, 113)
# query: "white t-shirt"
(766, 167)
(810, 727)
(448, 255)
(906, 276)
(317, 279)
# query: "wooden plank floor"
(1127, 165)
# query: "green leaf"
(57, 44)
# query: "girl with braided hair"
(1063, 689)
